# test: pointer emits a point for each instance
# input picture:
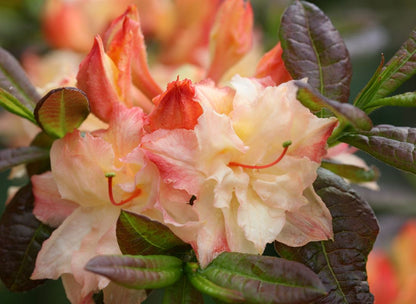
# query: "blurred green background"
(369, 27)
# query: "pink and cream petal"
(79, 163)
(174, 153)
(311, 222)
(49, 207)
(116, 294)
(73, 290)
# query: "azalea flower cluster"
(227, 163)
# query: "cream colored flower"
(245, 199)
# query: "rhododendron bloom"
(84, 205)
(116, 69)
(249, 189)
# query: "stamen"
(285, 145)
(135, 193)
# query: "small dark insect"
(192, 200)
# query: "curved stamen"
(285, 145)
(135, 193)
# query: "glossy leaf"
(344, 111)
(388, 79)
(314, 49)
(17, 156)
(340, 263)
(61, 111)
(137, 234)
(182, 292)
(263, 279)
(13, 105)
(353, 173)
(14, 80)
(206, 286)
(138, 272)
(21, 238)
(393, 145)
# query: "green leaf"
(138, 272)
(137, 234)
(263, 279)
(388, 79)
(182, 292)
(313, 48)
(13, 79)
(17, 156)
(402, 100)
(341, 263)
(206, 286)
(13, 105)
(353, 173)
(393, 145)
(21, 238)
(345, 112)
(61, 111)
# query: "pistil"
(285, 145)
(135, 193)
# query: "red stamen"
(135, 193)
(285, 145)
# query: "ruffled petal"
(83, 235)
(311, 222)
(174, 153)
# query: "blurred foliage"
(20, 24)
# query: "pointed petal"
(98, 77)
(176, 108)
(271, 64)
(124, 44)
(231, 36)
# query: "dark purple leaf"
(182, 292)
(264, 279)
(345, 112)
(21, 238)
(137, 234)
(393, 145)
(341, 263)
(16, 156)
(14, 80)
(61, 111)
(313, 48)
(138, 272)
